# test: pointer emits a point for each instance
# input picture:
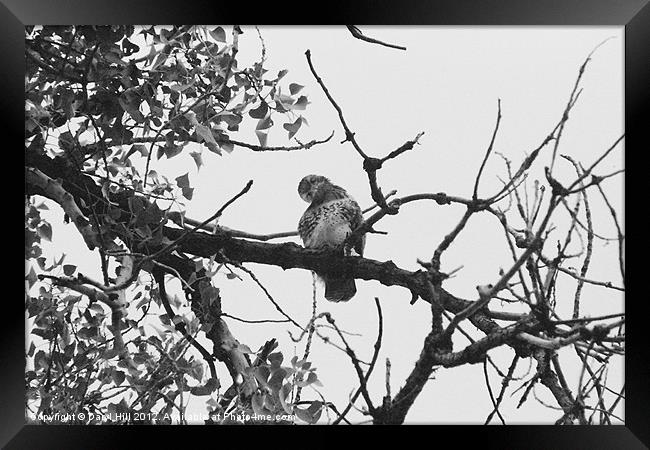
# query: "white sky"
(446, 84)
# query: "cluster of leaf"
(35, 229)
(80, 370)
(274, 401)
(187, 88)
(94, 98)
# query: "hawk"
(329, 219)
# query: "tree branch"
(356, 32)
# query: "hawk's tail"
(339, 289)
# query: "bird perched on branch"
(331, 217)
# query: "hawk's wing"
(330, 223)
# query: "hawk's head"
(309, 185)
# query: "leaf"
(41, 262)
(233, 120)
(207, 389)
(142, 149)
(262, 374)
(114, 213)
(177, 217)
(313, 379)
(183, 181)
(261, 136)
(227, 146)
(45, 231)
(180, 87)
(301, 103)
(304, 415)
(264, 124)
(269, 403)
(218, 34)
(315, 409)
(259, 112)
(131, 106)
(106, 192)
(188, 193)
(282, 395)
(275, 359)
(282, 73)
(66, 141)
(69, 269)
(294, 88)
(275, 382)
(196, 156)
(172, 150)
(283, 98)
(118, 377)
(31, 277)
(257, 402)
(41, 360)
(206, 135)
(293, 128)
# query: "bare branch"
(620, 235)
(349, 136)
(356, 32)
(504, 385)
(187, 233)
(489, 389)
(253, 147)
(488, 151)
(355, 362)
(372, 364)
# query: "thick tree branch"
(55, 191)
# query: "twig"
(237, 233)
(488, 151)
(310, 333)
(618, 231)
(590, 239)
(169, 247)
(223, 314)
(587, 171)
(377, 346)
(356, 32)
(489, 388)
(449, 238)
(253, 147)
(355, 362)
(504, 386)
(349, 136)
(266, 292)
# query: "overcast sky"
(446, 85)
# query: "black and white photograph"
(324, 225)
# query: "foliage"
(98, 98)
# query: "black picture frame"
(634, 15)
